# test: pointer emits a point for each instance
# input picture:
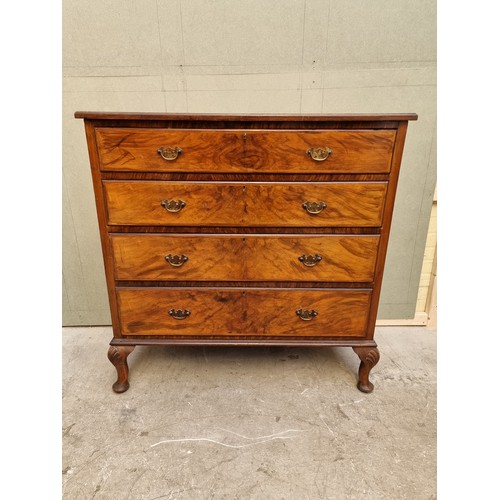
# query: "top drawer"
(182, 150)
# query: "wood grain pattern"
(369, 357)
(243, 284)
(239, 340)
(244, 179)
(126, 149)
(244, 204)
(239, 177)
(101, 217)
(245, 258)
(387, 221)
(118, 356)
(242, 230)
(236, 124)
(226, 312)
(306, 119)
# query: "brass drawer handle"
(314, 207)
(172, 205)
(169, 153)
(306, 314)
(319, 154)
(176, 260)
(310, 260)
(179, 313)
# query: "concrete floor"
(250, 423)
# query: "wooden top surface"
(95, 115)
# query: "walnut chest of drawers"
(244, 229)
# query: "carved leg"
(118, 356)
(369, 357)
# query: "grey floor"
(250, 423)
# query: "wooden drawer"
(244, 204)
(245, 257)
(243, 312)
(129, 149)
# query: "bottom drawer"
(248, 311)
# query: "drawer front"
(245, 204)
(240, 312)
(245, 258)
(127, 149)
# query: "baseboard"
(420, 319)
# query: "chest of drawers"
(244, 229)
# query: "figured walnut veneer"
(247, 312)
(124, 149)
(244, 229)
(244, 204)
(246, 258)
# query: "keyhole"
(244, 136)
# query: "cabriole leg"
(369, 357)
(118, 356)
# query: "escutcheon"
(319, 154)
(179, 313)
(176, 260)
(306, 314)
(310, 260)
(169, 153)
(314, 207)
(173, 205)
